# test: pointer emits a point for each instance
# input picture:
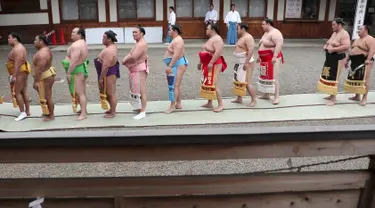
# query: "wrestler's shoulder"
(369, 38)
(218, 38)
(19, 48)
(277, 32)
(345, 33)
(249, 37)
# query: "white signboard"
(359, 17)
(293, 8)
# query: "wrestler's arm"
(40, 63)
(218, 47)
(19, 59)
(278, 40)
(75, 52)
(106, 60)
(250, 48)
(345, 44)
(177, 52)
(371, 45)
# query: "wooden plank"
(185, 136)
(187, 152)
(342, 199)
(60, 203)
(183, 185)
(334, 199)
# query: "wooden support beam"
(330, 199)
(187, 151)
(183, 185)
(341, 199)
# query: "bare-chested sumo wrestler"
(137, 63)
(76, 68)
(361, 63)
(19, 70)
(212, 64)
(44, 76)
(108, 71)
(335, 49)
(270, 58)
(176, 62)
(243, 69)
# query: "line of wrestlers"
(212, 64)
(360, 55)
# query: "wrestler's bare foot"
(109, 115)
(328, 97)
(252, 103)
(265, 97)
(81, 117)
(219, 109)
(276, 101)
(207, 105)
(49, 118)
(331, 103)
(238, 100)
(107, 112)
(28, 113)
(178, 106)
(170, 109)
(355, 98)
(363, 101)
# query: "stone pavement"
(290, 108)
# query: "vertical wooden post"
(367, 196)
(118, 202)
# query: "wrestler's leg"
(48, 83)
(219, 96)
(209, 102)
(249, 86)
(239, 98)
(367, 83)
(143, 89)
(80, 88)
(111, 96)
(180, 73)
(177, 89)
(276, 69)
(20, 86)
(332, 98)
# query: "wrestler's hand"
(209, 66)
(258, 60)
(168, 70)
(244, 67)
(12, 78)
(69, 78)
(274, 60)
(101, 82)
(199, 66)
(330, 49)
(36, 86)
(368, 62)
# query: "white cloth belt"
(241, 57)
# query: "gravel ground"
(298, 75)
